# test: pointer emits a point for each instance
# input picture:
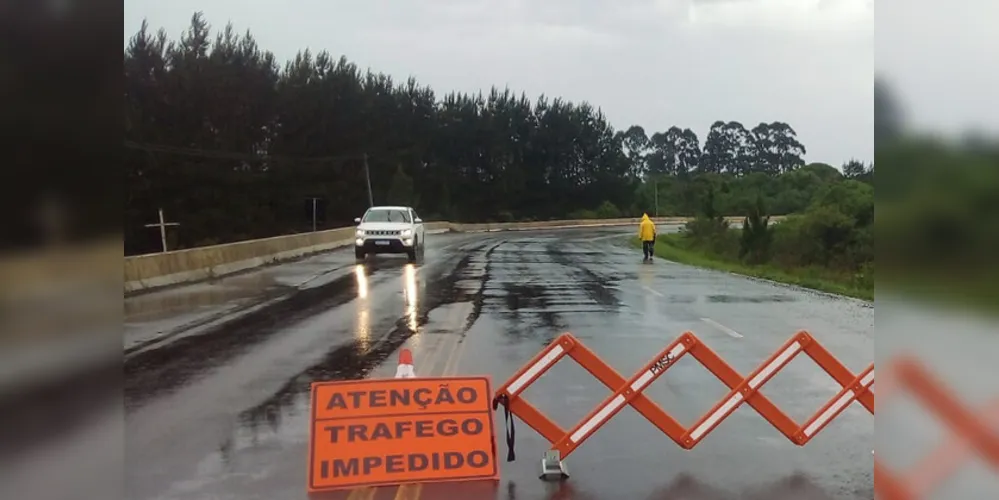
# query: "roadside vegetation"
(938, 220)
(827, 245)
(938, 211)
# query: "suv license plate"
(381, 242)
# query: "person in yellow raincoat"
(647, 233)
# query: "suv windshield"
(386, 215)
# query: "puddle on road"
(152, 372)
(356, 359)
(155, 371)
(795, 486)
(537, 284)
(681, 299)
(169, 303)
(346, 362)
(688, 486)
(753, 299)
(524, 295)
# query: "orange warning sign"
(376, 432)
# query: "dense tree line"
(233, 145)
(831, 237)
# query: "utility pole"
(163, 225)
(367, 176)
(52, 217)
(656, 185)
(314, 201)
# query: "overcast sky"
(940, 57)
(655, 63)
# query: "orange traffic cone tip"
(405, 357)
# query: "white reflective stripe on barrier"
(774, 365)
(597, 419)
(716, 416)
(641, 382)
(845, 399)
(535, 369)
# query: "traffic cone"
(405, 368)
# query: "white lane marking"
(732, 333)
(653, 290)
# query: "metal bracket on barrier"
(629, 392)
(552, 468)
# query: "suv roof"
(388, 207)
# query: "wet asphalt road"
(216, 376)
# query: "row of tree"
(232, 146)
(731, 148)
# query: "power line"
(231, 155)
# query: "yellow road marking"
(409, 491)
(451, 367)
(435, 352)
(431, 360)
(412, 491)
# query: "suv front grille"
(383, 232)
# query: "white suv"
(389, 230)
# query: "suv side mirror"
(418, 220)
(357, 220)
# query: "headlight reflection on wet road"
(362, 281)
(410, 293)
(363, 327)
(362, 330)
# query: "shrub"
(853, 198)
(791, 246)
(607, 210)
(832, 230)
(754, 246)
(582, 214)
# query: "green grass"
(669, 247)
(957, 290)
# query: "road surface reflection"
(362, 281)
(412, 299)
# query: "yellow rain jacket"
(647, 228)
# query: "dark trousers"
(648, 248)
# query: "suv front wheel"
(359, 254)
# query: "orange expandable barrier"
(971, 434)
(629, 391)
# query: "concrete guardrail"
(152, 271)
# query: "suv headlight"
(359, 233)
(407, 233)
